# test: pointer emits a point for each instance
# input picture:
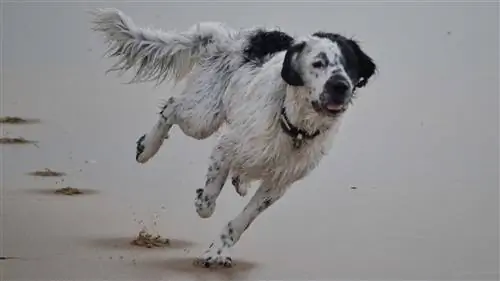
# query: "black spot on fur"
(205, 40)
(324, 58)
(265, 204)
(140, 146)
(247, 225)
(167, 103)
(235, 181)
(263, 44)
(359, 66)
(216, 165)
(199, 192)
(209, 180)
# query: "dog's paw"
(214, 257)
(146, 147)
(139, 149)
(205, 206)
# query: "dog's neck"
(301, 114)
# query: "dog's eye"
(318, 64)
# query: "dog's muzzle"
(335, 97)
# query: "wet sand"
(420, 148)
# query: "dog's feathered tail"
(157, 54)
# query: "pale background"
(420, 145)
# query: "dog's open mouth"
(336, 108)
(330, 108)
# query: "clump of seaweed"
(17, 120)
(68, 191)
(47, 173)
(145, 239)
(17, 140)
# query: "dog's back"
(208, 55)
(209, 81)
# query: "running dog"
(280, 98)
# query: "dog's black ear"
(289, 72)
(366, 66)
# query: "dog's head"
(331, 67)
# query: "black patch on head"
(359, 66)
(263, 44)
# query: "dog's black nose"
(337, 87)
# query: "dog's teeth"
(335, 106)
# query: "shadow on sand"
(184, 266)
(124, 243)
(52, 192)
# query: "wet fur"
(240, 78)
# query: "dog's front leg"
(217, 174)
(218, 252)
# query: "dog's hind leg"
(149, 144)
(218, 252)
(217, 174)
(198, 116)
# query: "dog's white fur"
(247, 99)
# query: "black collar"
(298, 136)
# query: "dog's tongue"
(334, 107)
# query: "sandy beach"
(409, 191)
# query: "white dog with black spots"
(281, 99)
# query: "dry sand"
(420, 146)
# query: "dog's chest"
(279, 158)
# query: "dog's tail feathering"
(157, 54)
